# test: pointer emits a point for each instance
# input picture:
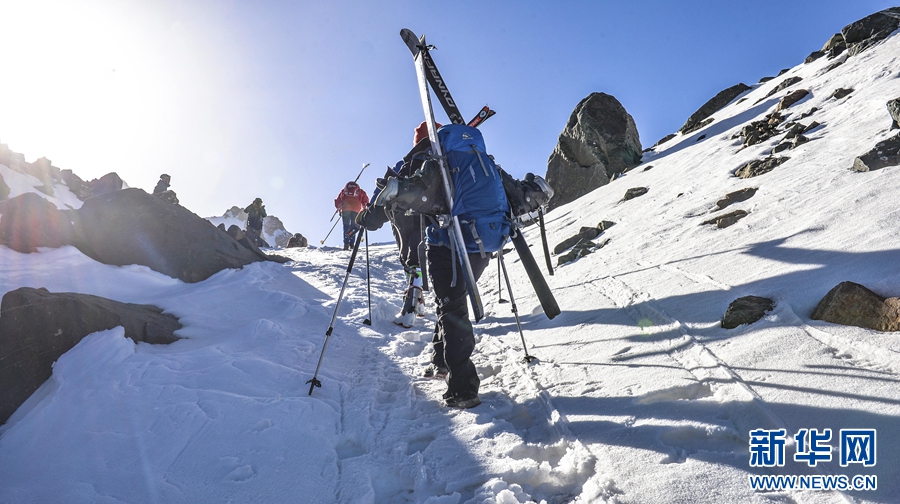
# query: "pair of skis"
(427, 73)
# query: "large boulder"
(132, 227)
(37, 327)
(759, 167)
(868, 31)
(599, 141)
(885, 153)
(853, 304)
(29, 221)
(709, 108)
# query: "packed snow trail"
(398, 443)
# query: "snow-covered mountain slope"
(638, 395)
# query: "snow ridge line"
(692, 355)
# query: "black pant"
(454, 339)
(348, 219)
(408, 234)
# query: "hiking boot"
(405, 319)
(346, 246)
(462, 401)
(437, 372)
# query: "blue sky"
(287, 100)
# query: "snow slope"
(637, 396)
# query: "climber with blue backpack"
(480, 206)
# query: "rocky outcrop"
(746, 310)
(759, 167)
(133, 227)
(885, 153)
(37, 327)
(272, 226)
(599, 141)
(870, 30)
(760, 131)
(30, 221)
(853, 304)
(581, 249)
(786, 83)
(698, 118)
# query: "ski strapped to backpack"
(418, 48)
(483, 115)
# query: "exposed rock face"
(30, 221)
(599, 141)
(273, 226)
(853, 304)
(4, 189)
(37, 327)
(868, 31)
(886, 153)
(760, 131)
(698, 118)
(759, 167)
(133, 227)
(746, 310)
(723, 221)
(893, 107)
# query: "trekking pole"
(527, 358)
(544, 239)
(314, 382)
(368, 321)
(500, 281)
(329, 233)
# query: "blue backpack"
(479, 200)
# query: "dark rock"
(30, 221)
(723, 221)
(699, 118)
(841, 92)
(783, 146)
(835, 46)
(786, 83)
(834, 65)
(599, 141)
(581, 249)
(809, 113)
(813, 125)
(853, 304)
(664, 140)
(298, 240)
(106, 184)
(795, 130)
(765, 79)
(760, 131)
(133, 227)
(885, 153)
(4, 189)
(792, 98)
(759, 167)
(241, 237)
(168, 196)
(77, 186)
(37, 327)
(586, 233)
(634, 192)
(814, 56)
(893, 107)
(701, 137)
(799, 140)
(648, 167)
(868, 31)
(746, 310)
(736, 197)
(783, 71)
